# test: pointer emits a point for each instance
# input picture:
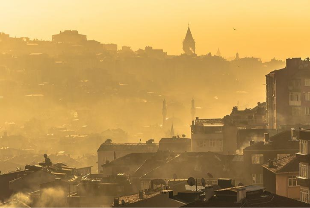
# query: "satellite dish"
(203, 182)
(191, 181)
(210, 175)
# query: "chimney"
(209, 192)
(266, 137)
(252, 142)
(241, 194)
(270, 163)
(141, 194)
(116, 202)
(293, 134)
(169, 193)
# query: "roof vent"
(270, 164)
(266, 137)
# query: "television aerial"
(203, 182)
(191, 181)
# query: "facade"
(108, 152)
(258, 153)
(288, 94)
(280, 177)
(175, 144)
(304, 162)
(207, 135)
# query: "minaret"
(189, 43)
(237, 56)
(164, 112)
(193, 109)
(218, 53)
(172, 131)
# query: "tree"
(108, 141)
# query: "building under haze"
(189, 43)
(108, 152)
(175, 144)
(69, 36)
(207, 135)
(288, 94)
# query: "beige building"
(207, 135)
(280, 177)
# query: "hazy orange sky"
(264, 28)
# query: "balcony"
(305, 182)
(303, 158)
(294, 103)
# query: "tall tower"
(189, 43)
(164, 112)
(218, 53)
(193, 109)
(172, 131)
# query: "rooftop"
(285, 164)
(135, 197)
(266, 199)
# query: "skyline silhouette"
(162, 24)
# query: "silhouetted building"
(249, 118)
(175, 144)
(69, 36)
(288, 94)
(189, 43)
(108, 152)
(110, 47)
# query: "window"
(307, 96)
(279, 156)
(304, 195)
(307, 111)
(294, 98)
(303, 170)
(257, 178)
(296, 111)
(292, 181)
(307, 82)
(303, 146)
(257, 159)
(212, 142)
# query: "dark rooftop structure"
(246, 196)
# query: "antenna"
(203, 182)
(191, 181)
(210, 175)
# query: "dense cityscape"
(91, 124)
